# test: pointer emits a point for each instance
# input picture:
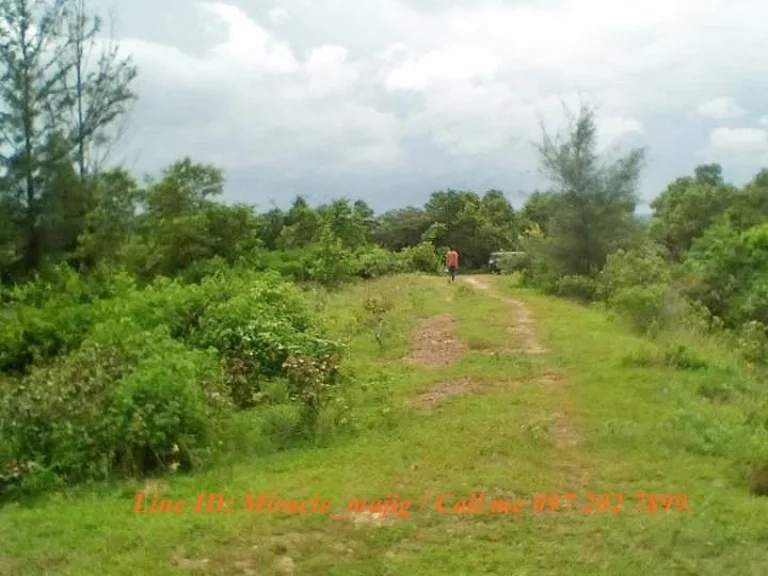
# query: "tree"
(45, 46)
(500, 213)
(538, 210)
(401, 228)
(300, 227)
(96, 96)
(183, 226)
(749, 206)
(32, 49)
(111, 217)
(270, 226)
(64, 201)
(596, 199)
(688, 206)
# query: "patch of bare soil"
(458, 387)
(371, 519)
(433, 342)
(440, 392)
(8, 566)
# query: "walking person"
(452, 262)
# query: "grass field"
(592, 412)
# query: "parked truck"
(505, 262)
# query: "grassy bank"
(595, 414)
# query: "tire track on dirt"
(564, 435)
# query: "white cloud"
(721, 109)
(391, 52)
(278, 16)
(329, 71)
(739, 140)
(738, 147)
(763, 120)
(449, 89)
(611, 129)
(452, 64)
(249, 47)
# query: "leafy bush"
(374, 261)
(327, 261)
(575, 286)
(642, 306)
(641, 286)
(728, 275)
(753, 341)
(48, 316)
(420, 258)
(682, 357)
(313, 380)
(128, 401)
(256, 331)
(374, 317)
(627, 269)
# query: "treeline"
(177, 225)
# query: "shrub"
(374, 261)
(313, 380)
(327, 261)
(752, 341)
(374, 317)
(642, 306)
(128, 401)
(49, 315)
(576, 286)
(256, 331)
(627, 269)
(420, 258)
(682, 357)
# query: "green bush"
(313, 380)
(420, 258)
(128, 401)
(47, 316)
(643, 306)
(575, 286)
(752, 341)
(327, 261)
(641, 286)
(374, 261)
(727, 271)
(256, 331)
(627, 269)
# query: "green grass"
(641, 425)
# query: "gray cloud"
(390, 99)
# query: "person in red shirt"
(452, 262)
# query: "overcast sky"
(388, 100)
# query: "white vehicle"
(501, 262)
